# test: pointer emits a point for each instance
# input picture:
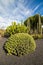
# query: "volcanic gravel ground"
(36, 58)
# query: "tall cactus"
(28, 26)
(39, 28)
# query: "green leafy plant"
(20, 44)
(15, 28)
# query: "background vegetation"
(15, 28)
(2, 32)
(34, 22)
(28, 26)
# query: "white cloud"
(16, 14)
(29, 12)
(22, 10)
(6, 2)
(4, 22)
(37, 7)
(3, 10)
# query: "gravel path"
(35, 58)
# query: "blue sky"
(18, 10)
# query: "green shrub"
(21, 28)
(15, 28)
(37, 36)
(10, 30)
(20, 44)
